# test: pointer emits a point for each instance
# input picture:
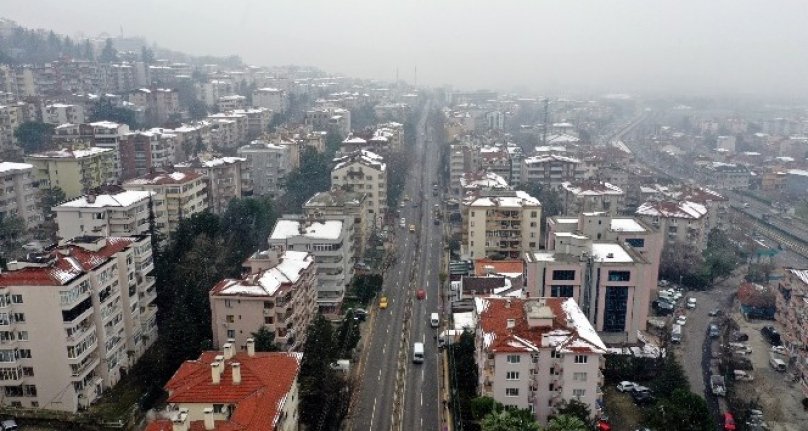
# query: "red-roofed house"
(74, 317)
(230, 391)
(535, 353)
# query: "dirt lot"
(779, 398)
(623, 414)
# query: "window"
(534, 214)
(579, 377)
(619, 275)
(218, 408)
(555, 354)
(581, 359)
(532, 245)
(561, 291)
(34, 404)
(636, 242)
(512, 375)
(230, 318)
(18, 317)
(16, 299)
(231, 333)
(268, 320)
(228, 303)
(513, 359)
(533, 224)
(28, 371)
(22, 335)
(511, 392)
(268, 304)
(560, 274)
(578, 393)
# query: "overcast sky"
(554, 46)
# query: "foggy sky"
(553, 46)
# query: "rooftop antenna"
(546, 121)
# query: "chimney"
(510, 323)
(236, 373)
(208, 414)
(215, 373)
(250, 347)
(179, 422)
(508, 303)
(228, 350)
(609, 255)
(91, 198)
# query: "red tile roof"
(570, 330)
(266, 379)
(512, 266)
(66, 263)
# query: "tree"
(34, 136)
(683, 411)
(11, 229)
(313, 175)
(720, 255)
(348, 335)
(51, 197)
(483, 406)
(576, 409)
(507, 420)
(671, 377)
(264, 340)
(109, 54)
(320, 386)
(146, 55)
(466, 368)
(104, 110)
(566, 423)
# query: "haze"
(662, 46)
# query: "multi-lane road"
(394, 393)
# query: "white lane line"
(380, 375)
(422, 399)
(372, 415)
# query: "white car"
(779, 350)
(626, 386)
(681, 320)
(691, 303)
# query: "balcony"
(80, 370)
(147, 297)
(148, 312)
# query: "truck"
(676, 333)
(717, 385)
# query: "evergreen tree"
(109, 54)
(264, 340)
(34, 136)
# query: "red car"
(603, 425)
(729, 422)
(421, 294)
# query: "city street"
(387, 373)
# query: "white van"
(418, 353)
(434, 320)
(402, 222)
(777, 364)
(676, 334)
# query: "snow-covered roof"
(6, 167)
(287, 228)
(591, 188)
(267, 283)
(610, 253)
(463, 321)
(550, 158)
(802, 274)
(71, 154)
(363, 157)
(626, 225)
(800, 172)
(517, 199)
(485, 180)
(669, 209)
(123, 199)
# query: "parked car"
(383, 303)
(739, 336)
(360, 314)
(681, 320)
(780, 350)
(9, 425)
(641, 389)
(743, 376)
(691, 303)
(715, 312)
(626, 386)
(642, 398)
(713, 331)
(771, 335)
(729, 422)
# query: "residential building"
(272, 98)
(792, 310)
(500, 223)
(231, 102)
(18, 194)
(609, 266)
(472, 183)
(258, 120)
(463, 158)
(159, 104)
(226, 178)
(181, 194)
(590, 196)
(364, 172)
(331, 241)
(537, 353)
(60, 113)
(144, 151)
(229, 129)
(336, 120)
(679, 221)
(796, 183)
(74, 171)
(269, 164)
(77, 316)
(11, 116)
(728, 176)
(227, 391)
(341, 203)
(552, 170)
(109, 211)
(107, 134)
(279, 294)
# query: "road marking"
(372, 415)
(380, 375)
(422, 399)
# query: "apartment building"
(226, 178)
(336, 120)
(269, 164)
(18, 194)
(108, 211)
(472, 183)
(75, 317)
(227, 390)
(716, 204)
(231, 127)
(792, 314)
(392, 133)
(537, 353)
(258, 120)
(146, 150)
(679, 221)
(463, 158)
(331, 241)
(609, 266)
(272, 98)
(231, 102)
(364, 172)
(11, 116)
(60, 113)
(279, 294)
(181, 194)
(591, 196)
(341, 203)
(552, 170)
(728, 176)
(74, 171)
(500, 223)
(159, 104)
(496, 159)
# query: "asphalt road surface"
(379, 400)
